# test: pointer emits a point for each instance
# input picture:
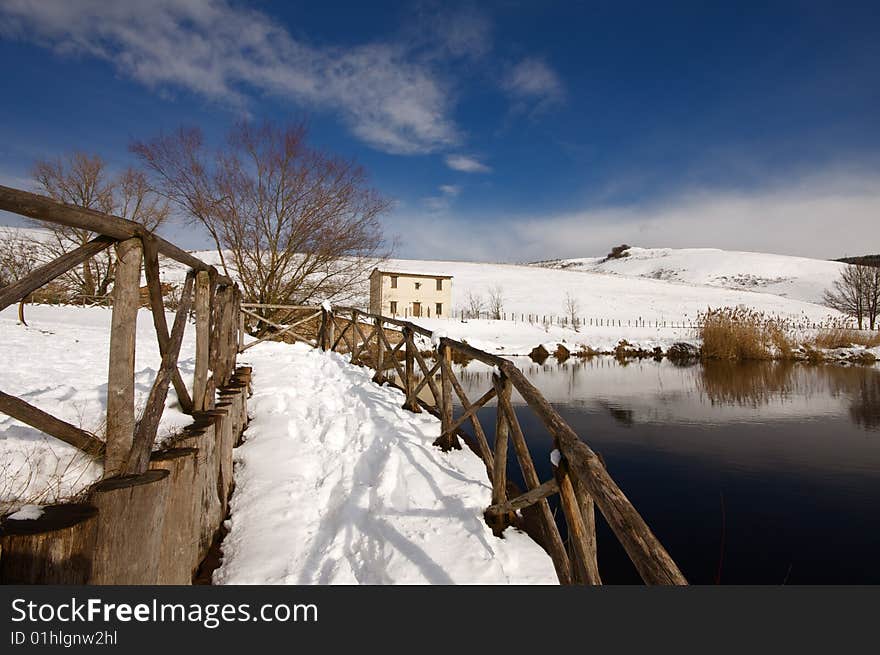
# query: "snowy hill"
(648, 285)
(798, 278)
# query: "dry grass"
(742, 334)
(845, 338)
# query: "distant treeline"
(864, 260)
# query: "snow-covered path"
(337, 484)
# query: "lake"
(757, 473)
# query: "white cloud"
(387, 96)
(466, 164)
(533, 79)
(439, 204)
(824, 216)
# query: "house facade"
(410, 295)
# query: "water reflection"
(789, 449)
(647, 390)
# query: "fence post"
(379, 378)
(240, 329)
(449, 440)
(499, 471)
(203, 337)
(120, 377)
(409, 384)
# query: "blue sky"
(505, 131)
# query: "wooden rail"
(580, 477)
(129, 439)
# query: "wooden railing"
(579, 475)
(215, 299)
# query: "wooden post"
(203, 337)
(379, 378)
(588, 514)
(331, 330)
(56, 548)
(131, 510)
(240, 330)
(322, 331)
(499, 472)
(449, 439)
(577, 531)
(180, 525)
(120, 378)
(409, 383)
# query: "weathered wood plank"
(120, 377)
(54, 427)
(527, 499)
(145, 432)
(482, 442)
(160, 323)
(409, 382)
(20, 289)
(577, 531)
(203, 338)
(120, 229)
(554, 540)
(379, 377)
(499, 473)
(588, 514)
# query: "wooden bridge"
(222, 322)
(388, 345)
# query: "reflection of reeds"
(754, 384)
(751, 384)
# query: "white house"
(410, 295)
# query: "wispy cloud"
(533, 84)
(385, 93)
(442, 202)
(466, 164)
(824, 215)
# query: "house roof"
(412, 274)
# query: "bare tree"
(18, 256)
(872, 295)
(292, 224)
(572, 308)
(82, 179)
(496, 302)
(474, 304)
(849, 293)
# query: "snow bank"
(336, 484)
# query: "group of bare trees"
(493, 307)
(80, 179)
(856, 293)
(292, 224)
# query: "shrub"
(741, 333)
(618, 252)
(837, 337)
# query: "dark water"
(762, 473)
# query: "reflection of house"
(395, 293)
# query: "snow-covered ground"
(58, 363)
(799, 278)
(337, 484)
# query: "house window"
(393, 281)
(438, 309)
(418, 285)
(393, 307)
(439, 284)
